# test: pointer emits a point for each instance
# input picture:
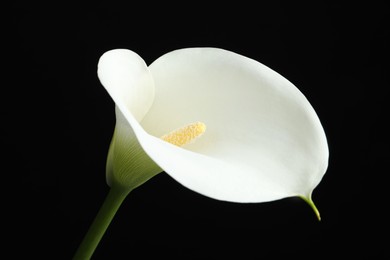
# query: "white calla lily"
(263, 141)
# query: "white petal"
(127, 79)
(128, 165)
(263, 142)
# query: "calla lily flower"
(219, 123)
(263, 141)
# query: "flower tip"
(201, 127)
(310, 202)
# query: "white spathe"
(263, 142)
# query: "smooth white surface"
(263, 142)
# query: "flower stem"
(102, 220)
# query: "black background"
(57, 121)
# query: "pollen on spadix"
(186, 134)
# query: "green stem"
(99, 226)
